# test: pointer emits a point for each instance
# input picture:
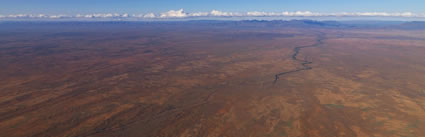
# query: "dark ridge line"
(304, 63)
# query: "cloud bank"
(214, 13)
(174, 14)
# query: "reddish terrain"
(212, 79)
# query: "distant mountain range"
(243, 23)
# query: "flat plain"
(212, 79)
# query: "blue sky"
(158, 6)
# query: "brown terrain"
(211, 79)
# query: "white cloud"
(136, 15)
(199, 14)
(57, 16)
(18, 16)
(149, 15)
(286, 13)
(80, 16)
(375, 14)
(223, 14)
(372, 14)
(257, 13)
(216, 13)
(302, 13)
(99, 15)
(125, 15)
(174, 14)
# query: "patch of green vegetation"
(280, 132)
(391, 132)
(226, 118)
(380, 123)
(283, 133)
(366, 109)
(413, 125)
(335, 105)
(407, 133)
(19, 123)
(289, 123)
(388, 116)
(253, 120)
(286, 123)
(21, 106)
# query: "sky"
(73, 7)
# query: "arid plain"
(212, 79)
